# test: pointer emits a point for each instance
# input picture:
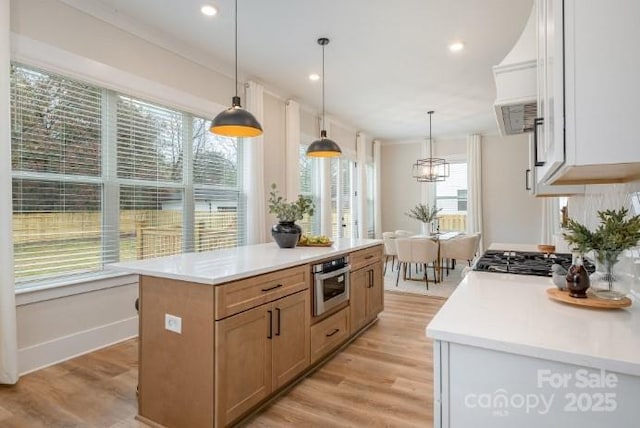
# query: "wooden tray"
(328, 244)
(592, 301)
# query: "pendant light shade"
(324, 147)
(236, 121)
(430, 170)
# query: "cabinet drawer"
(362, 258)
(238, 296)
(328, 334)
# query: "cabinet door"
(358, 284)
(550, 152)
(375, 291)
(291, 317)
(243, 373)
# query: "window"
(343, 214)
(451, 197)
(99, 177)
(310, 187)
(371, 214)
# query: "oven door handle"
(323, 276)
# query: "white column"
(8, 336)
(253, 174)
(377, 197)
(292, 150)
(361, 179)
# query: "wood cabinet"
(240, 342)
(366, 294)
(328, 334)
(587, 87)
(175, 377)
(258, 351)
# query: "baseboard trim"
(63, 348)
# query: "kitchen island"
(222, 332)
(506, 355)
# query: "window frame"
(65, 285)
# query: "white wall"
(399, 190)
(509, 213)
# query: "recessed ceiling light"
(456, 47)
(314, 77)
(208, 10)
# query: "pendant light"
(431, 169)
(324, 147)
(236, 121)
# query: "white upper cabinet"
(588, 84)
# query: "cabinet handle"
(536, 122)
(370, 278)
(527, 173)
(272, 288)
(270, 335)
(370, 256)
(334, 331)
(278, 321)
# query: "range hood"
(516, 84)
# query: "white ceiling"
(386, 66)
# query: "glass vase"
(607, 282)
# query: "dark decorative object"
(286, 234)
(578, 279)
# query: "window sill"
(50, 290)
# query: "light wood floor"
(383, 379)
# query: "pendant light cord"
(430, 140)
(236, 47)
(323, 124)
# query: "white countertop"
(229, 264)
(512, 313)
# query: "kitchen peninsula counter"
(230, 264)
(501, 333)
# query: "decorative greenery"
(289, 211)
(615, 233)
(423, 213)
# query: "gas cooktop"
(524, 263)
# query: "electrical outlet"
(173, 323)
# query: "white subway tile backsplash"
(584, 208)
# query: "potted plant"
(286, 233)
(423, 213)
(616, 233)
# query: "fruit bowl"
(314, 241)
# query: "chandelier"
(431, 169)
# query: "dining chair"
(389, 240)
(422, 251)
(460, 248)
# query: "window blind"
(56, 140)
(149, 170)
(220, 205)
(100, 177)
